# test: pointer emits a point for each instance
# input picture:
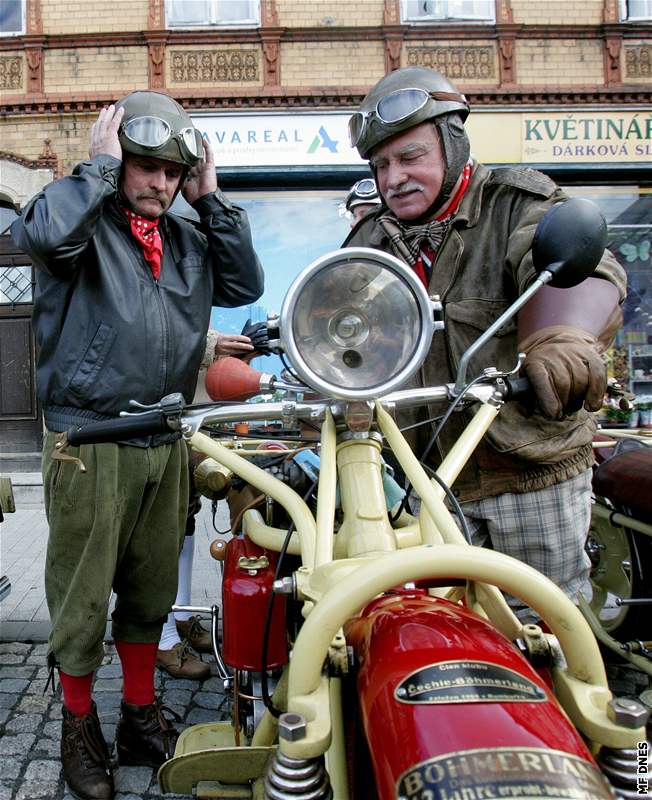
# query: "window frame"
(23, 22)
(430, 20)
(251, 22)
(626, 17)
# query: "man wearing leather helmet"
(467, 232)
(123, 298)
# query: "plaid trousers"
(544, 529)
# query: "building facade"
(562, 85)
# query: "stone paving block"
(32, 703)
(11, 767)
(109, 671)
(12, 658)
(47, 746)
(8, 700)
(31, 790)
(133, 779)
(108, 685)
(53, 730)
(4, 714)
(176, 697)
(17, 672)
(42, 770)
(36, 687)
(18, 745)
(198, 715)
(13, 685)
(15, 647)
(24, 723)
(6, 791)
(210, 700)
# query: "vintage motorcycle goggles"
(152, 133)
(364, 188)
(395, 108)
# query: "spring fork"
(296, 779)
(620, 768)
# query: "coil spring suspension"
(620, 768)
(296, 779)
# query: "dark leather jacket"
(483, 265)
(106, 331)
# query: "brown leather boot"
(180, 662)
(85, 757)
(196, 635)
(144, 736)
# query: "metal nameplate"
(526, 773)
(467, 682)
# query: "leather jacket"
(482, 266)
(106, 330)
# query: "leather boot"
(85, 757)
(180, 662)
(144, 736)
(195, 634)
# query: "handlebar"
(194, 417)
(113, 430)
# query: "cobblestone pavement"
(30, 722)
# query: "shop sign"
(301, 139)
(586, 137)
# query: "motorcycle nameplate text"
(467, 682)
(528, 773)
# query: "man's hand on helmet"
(201, 178)
(104, 133)
(565, 369)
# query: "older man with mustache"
(123, 299)
(467, 231)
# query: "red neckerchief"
(146, 233)
(423, 267)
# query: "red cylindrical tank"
(452, 710)
(246, 590)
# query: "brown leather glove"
(565, 369)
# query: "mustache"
(162, 197)
(404, 188)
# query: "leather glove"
(565, 369)
(257, 332)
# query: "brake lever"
(172, 405)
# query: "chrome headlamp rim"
(385, 260)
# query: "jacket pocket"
(468, 319)
(92, 361)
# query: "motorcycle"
(619, 545)
(370, 652)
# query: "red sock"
(138, 662)
(76, 692)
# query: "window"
(448, 10)
(7, 215)
(12, 17)
(202, 13)
(628, 211)
(635, 10)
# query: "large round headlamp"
(356, 323)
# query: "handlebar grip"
(518, 389)
(114, 430)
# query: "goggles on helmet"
(364, 188)
(152, 133)
(396, 107)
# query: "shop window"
(628, 211)
(414, 11)
(635, 10)
(12, 17)
(208, 13)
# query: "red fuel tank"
(246, 589)
(453, 711)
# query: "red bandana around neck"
(146, 233)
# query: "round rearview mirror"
(356, 323)
(569, 241)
